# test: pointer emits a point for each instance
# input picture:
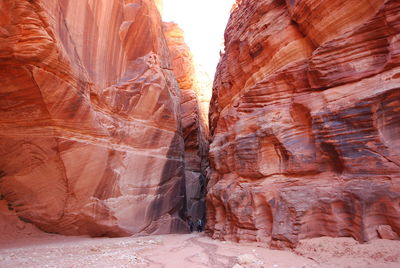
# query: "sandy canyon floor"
(191, 250)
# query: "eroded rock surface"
(305, 119)
(194, 126)
(90, 139)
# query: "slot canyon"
(115, 134)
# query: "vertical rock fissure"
(194, 125)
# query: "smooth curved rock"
(90, 119)
(305, 119)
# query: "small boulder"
(386, 232)
(249, 260)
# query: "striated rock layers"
(90, 138)
(305, 119)
(194, 124)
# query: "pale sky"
(203, 22)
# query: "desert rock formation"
(194, 126)
(91, 139)
(305, 122)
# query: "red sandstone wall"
(305, 122)
(90, 124)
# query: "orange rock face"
(90, 121)
(305, 122)
(194, 127)
(181, 56)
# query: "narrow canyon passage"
(116, 121)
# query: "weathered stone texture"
(90, 139)
(305, 122)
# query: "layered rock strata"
(195, 128)
(90, 138)
(305, 122)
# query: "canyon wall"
(194, 124)
(91, 139)
(305, 122)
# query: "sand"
(23, 245)
(191, 250)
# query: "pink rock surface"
(90, 121)
(386, 232)
(305, 122)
